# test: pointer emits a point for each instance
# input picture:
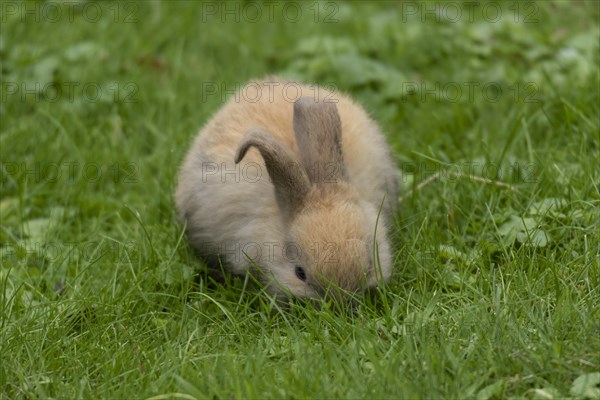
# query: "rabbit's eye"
(300, 273)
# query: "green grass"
(495, 292)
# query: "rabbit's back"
(269, 104)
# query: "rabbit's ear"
(318, 132)
(287, 173)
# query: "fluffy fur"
(299, 192)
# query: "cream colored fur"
(231, 209)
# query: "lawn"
(492, 110)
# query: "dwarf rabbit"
(297, 191)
